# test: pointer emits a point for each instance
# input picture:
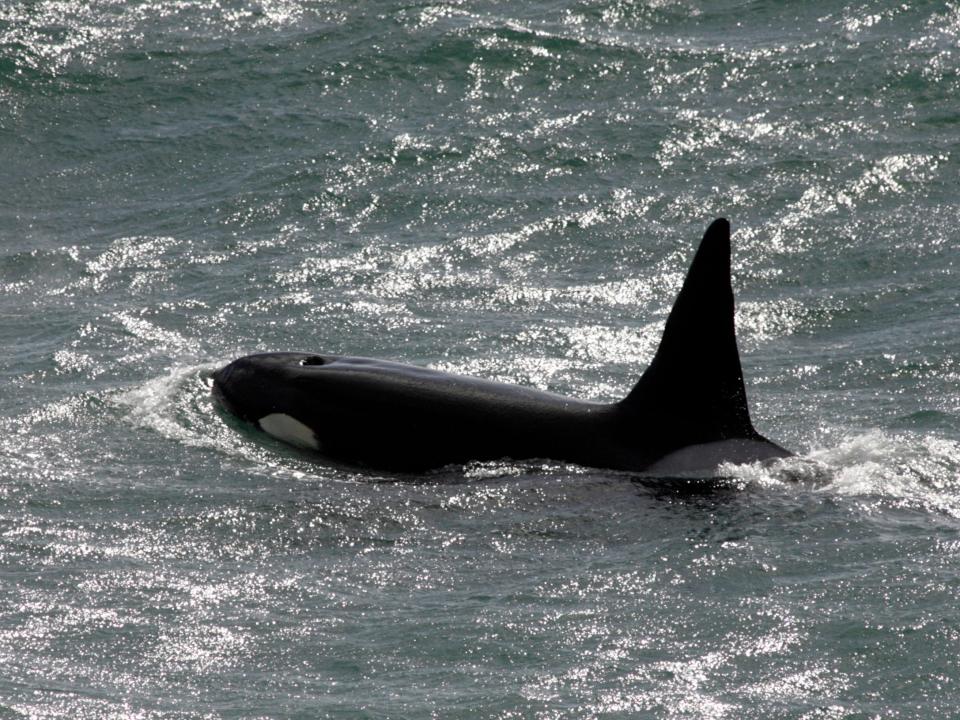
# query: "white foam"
(157, 402)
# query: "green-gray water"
(511, 191)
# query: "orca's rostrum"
(688, 412)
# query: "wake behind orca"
(687, 413)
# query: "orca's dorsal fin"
(693, 392)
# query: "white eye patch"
(290, 430)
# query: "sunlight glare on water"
(508, 192)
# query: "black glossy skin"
(405, 418)
(402, 417)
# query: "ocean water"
(501, 189)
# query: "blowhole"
(313, 360)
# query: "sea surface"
(509, 190)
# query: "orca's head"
(255, 386)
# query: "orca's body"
(688, 412)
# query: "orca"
(688, 413)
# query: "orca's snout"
(221, 388)
(219, 376)
(253, 386)
(222, 376)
